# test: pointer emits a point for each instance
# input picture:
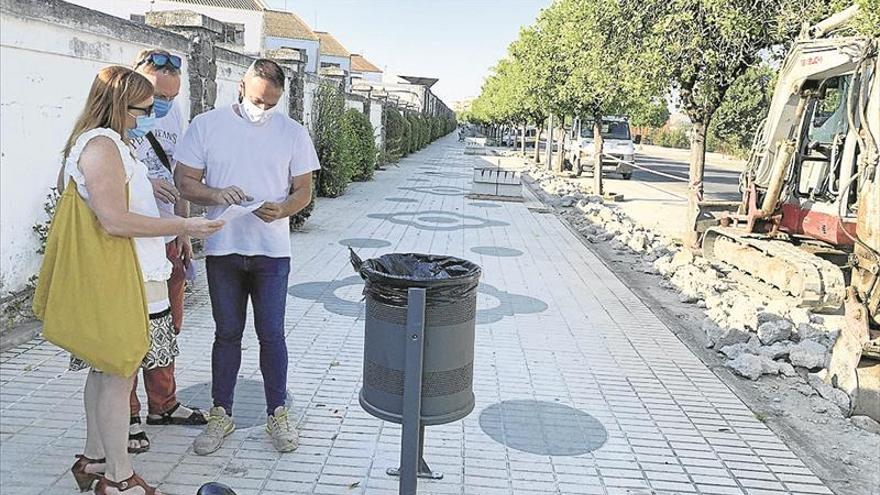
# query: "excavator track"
(814, 282)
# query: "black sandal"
(140, 437)
(195, 419)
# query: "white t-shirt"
(168, 129)
(262, 160)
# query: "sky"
(456, 41)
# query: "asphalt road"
(720, 182)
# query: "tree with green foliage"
(600, 41)
(744, 107)
(701, 47)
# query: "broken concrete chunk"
(799, 316)
(787, 369)
(773, 331)
(752, 367)
(682, 257)
(866, 423)
(637, 242)
(777, 350)
(808, 354)
(838, 397)
(719, 337)
(687, 298)
(733, 351)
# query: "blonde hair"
(114, 89)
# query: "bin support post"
(412, 464)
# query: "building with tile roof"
(334, 54)
(286, 29)
(361, 68)
(245, 15)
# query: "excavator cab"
(824, 131)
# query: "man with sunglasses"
(156, 150)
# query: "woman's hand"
(201, 227)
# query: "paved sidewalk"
(580, 388)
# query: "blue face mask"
(161, 107)
(145, 124)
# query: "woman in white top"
(98, 160)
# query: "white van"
(617, 142)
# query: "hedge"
(359, 138)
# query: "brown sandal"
(123, 486)
(84, 479)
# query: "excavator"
(809, 219)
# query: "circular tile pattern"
(365, 243)
(437, 220)
(501, 252)
(543, 428)
(430, 219)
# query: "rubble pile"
(759, 333)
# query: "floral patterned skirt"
(163, 345)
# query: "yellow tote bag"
(90, 293)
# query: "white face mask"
(253, 113)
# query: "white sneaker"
(283, 434)
(219, 427)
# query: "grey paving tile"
(554, 327)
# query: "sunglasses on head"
(161, 60)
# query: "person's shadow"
(215, 489)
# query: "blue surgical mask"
(161, 107)
(145, 124)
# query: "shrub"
(359, 137)
(672, 138)
(298, 220)
(395, 135)
(337, 160)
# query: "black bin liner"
(389, 277)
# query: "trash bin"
(449, 321)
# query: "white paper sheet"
(237, 211)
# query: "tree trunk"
(560, 151)
(597, 155)
(538, 128)
(550, 143)
(695, 181)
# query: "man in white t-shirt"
(232, 158)
(156, 151)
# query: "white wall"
(252, 20)
(343, 62)
(228, 77)
(356, 104)
(375, 77)
(310, 87)
(47, 71)
(376, 120)
(311, 48)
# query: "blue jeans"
(231, 280)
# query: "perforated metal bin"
(448, 351)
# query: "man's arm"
(189, 182)
(293, 204)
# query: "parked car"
(531, 134)
(617, 142)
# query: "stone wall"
(51, 51)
